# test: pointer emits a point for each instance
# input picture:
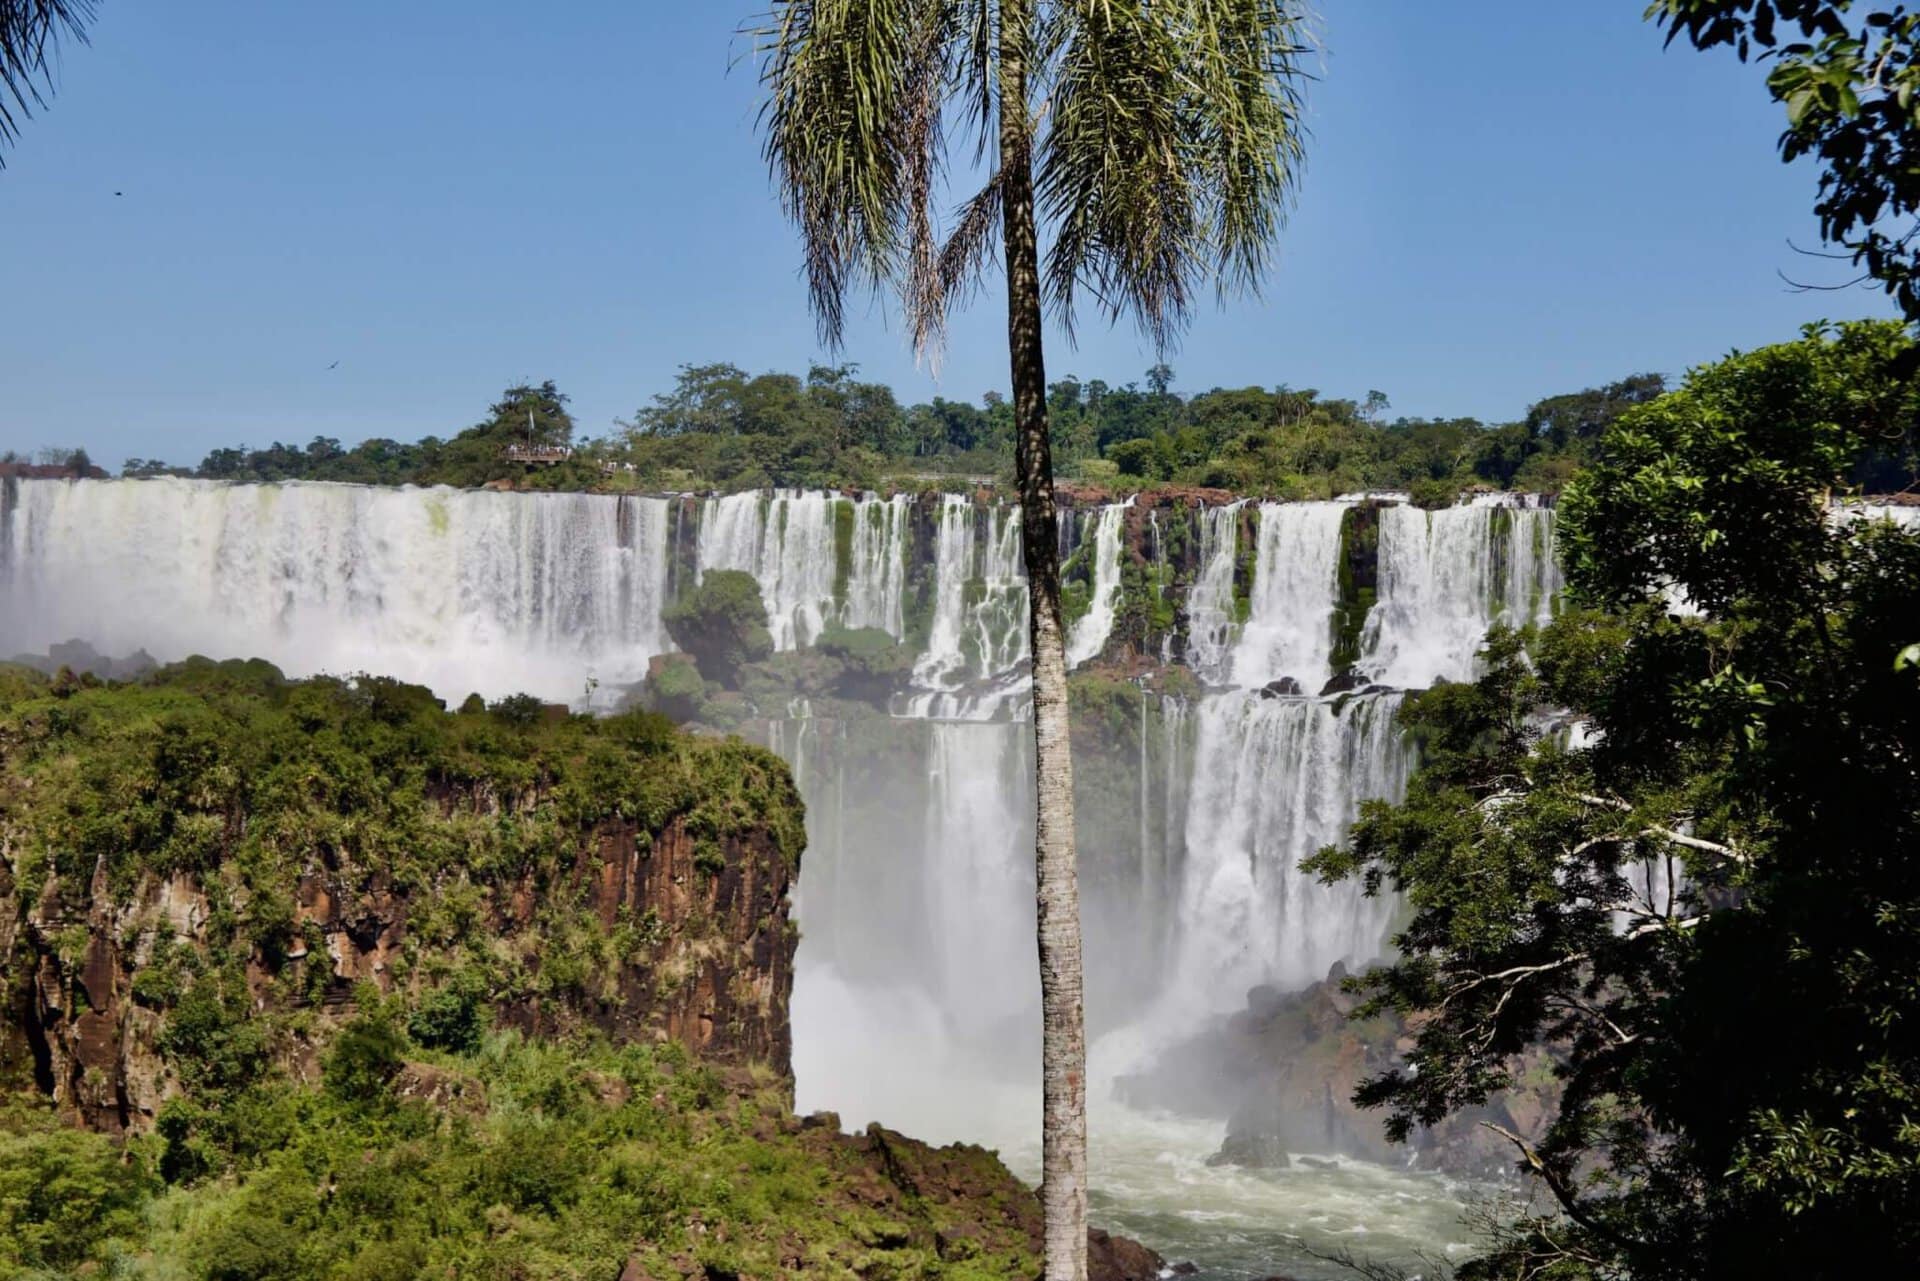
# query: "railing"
(538, 453)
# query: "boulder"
(1345, 682)
(1112, 1258)
(1251, 1152)
(1285, 687)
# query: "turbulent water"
(916, 994)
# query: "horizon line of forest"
(721, 428)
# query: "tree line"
(720, 427)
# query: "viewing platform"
(542, 454)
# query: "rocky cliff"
(194, 888)
(1282, 1073)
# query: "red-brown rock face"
(687, 940)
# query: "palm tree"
(30, 32)
(1155, 144)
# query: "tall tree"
(30, 35)
(1161, 163)
(1707, 906)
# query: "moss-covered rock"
(1359, 582)
(721, 623)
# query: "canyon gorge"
(1237, 668)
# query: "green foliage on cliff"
(1358, 570)
(229, 765)
(1711, 911)
(244, 785)
(722, 623)
(517, 1159)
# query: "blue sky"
(1503, 199)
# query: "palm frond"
(30, 35)
(1113, 182)
(1168, 132)
(852, 120)
(1172, 143)
(1251, 140)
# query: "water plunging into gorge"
(1209, 760)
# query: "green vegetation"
(156, 776)
(512, 1159)
(418, 1140)
(721, 428)
(1358, 568)
(525, 415)
(1740, 1058)
(242, 784)
(722, 623)
(873, 663)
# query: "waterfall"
(1274, 780)
(876, 579)
(1289, 629)
(978, 633)
(1212, 617)
(1447, 576)
(943, 663)
(459, 590)
(997, 622)
(1089, 635)
(915, 974)
(786, 542)
(979, 910)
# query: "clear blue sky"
(1504, 199)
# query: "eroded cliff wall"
(202, 875)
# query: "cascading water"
(977, 639)
(1089, 635)
(1212, 615)
(1289, 629)
(461, 590)
(915, 999)
(1274, 780)
(1445, 576)
(876, 579)
(786, 542)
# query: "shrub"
(722, 623)
(675, 688)
(63, 1194)
(365, 1058)
(1433, 493)
(448, 1018)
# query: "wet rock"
(1285, 687)
(1251, 1152)
(1112, 1258)
(1343, 683)
(1185, 1269)
(1265, 1001)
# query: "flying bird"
(334, 365)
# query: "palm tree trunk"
(1063, 1187)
